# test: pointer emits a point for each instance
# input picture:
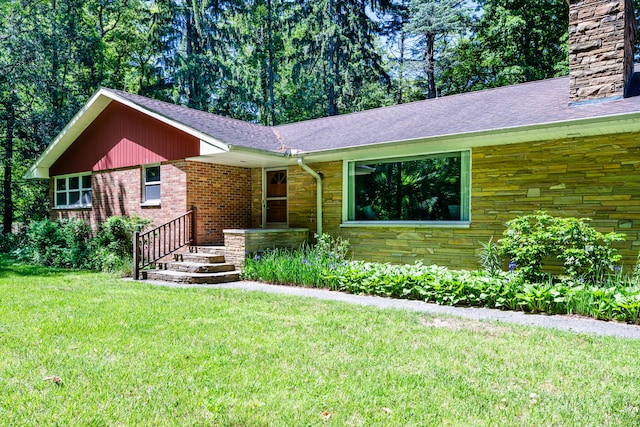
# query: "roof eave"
(247, 157)
(577, 128)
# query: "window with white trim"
(73, 191)
(151, 184)
(430, 188)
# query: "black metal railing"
(155, 244)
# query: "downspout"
(318, 193)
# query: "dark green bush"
(585, 253)
(68, 243)
(112, 247)
(10, 242)
(61, 243)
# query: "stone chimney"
(601, 37)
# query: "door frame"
(266, 224)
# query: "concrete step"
(197, 267)
(192, 278)
(215, 250)
(202, 258)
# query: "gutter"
(318, 193)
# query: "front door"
(276, 198)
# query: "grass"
(134, 354)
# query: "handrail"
(155, 244)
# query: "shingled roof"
(524, 112)
(227, 130)
(533, 103)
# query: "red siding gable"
(121, 137)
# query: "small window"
(430, 188)
(73, 191)
(151, 187)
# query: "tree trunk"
(272, 103)
(430, 65)
(401, 65)
(7, 211)
(333, 68)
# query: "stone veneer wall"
(302, 197)
(239, 243)
(601, 40)
(595, 177)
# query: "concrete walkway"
(565, 323)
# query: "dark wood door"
(276, 196)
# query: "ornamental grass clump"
(311, 265)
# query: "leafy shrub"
(68, 243)
(112, 247)
(61, 243)
(586, 254)
(10, 242)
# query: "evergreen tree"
(515, 41)
(433, 21)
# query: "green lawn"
(131, 354)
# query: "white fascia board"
(579, 128)
(207, 148)
(268, 153)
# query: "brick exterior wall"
(256, 198)
(221, 195)
(595, 177)
(601, 40)
(119, 193)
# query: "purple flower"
(512, 266)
